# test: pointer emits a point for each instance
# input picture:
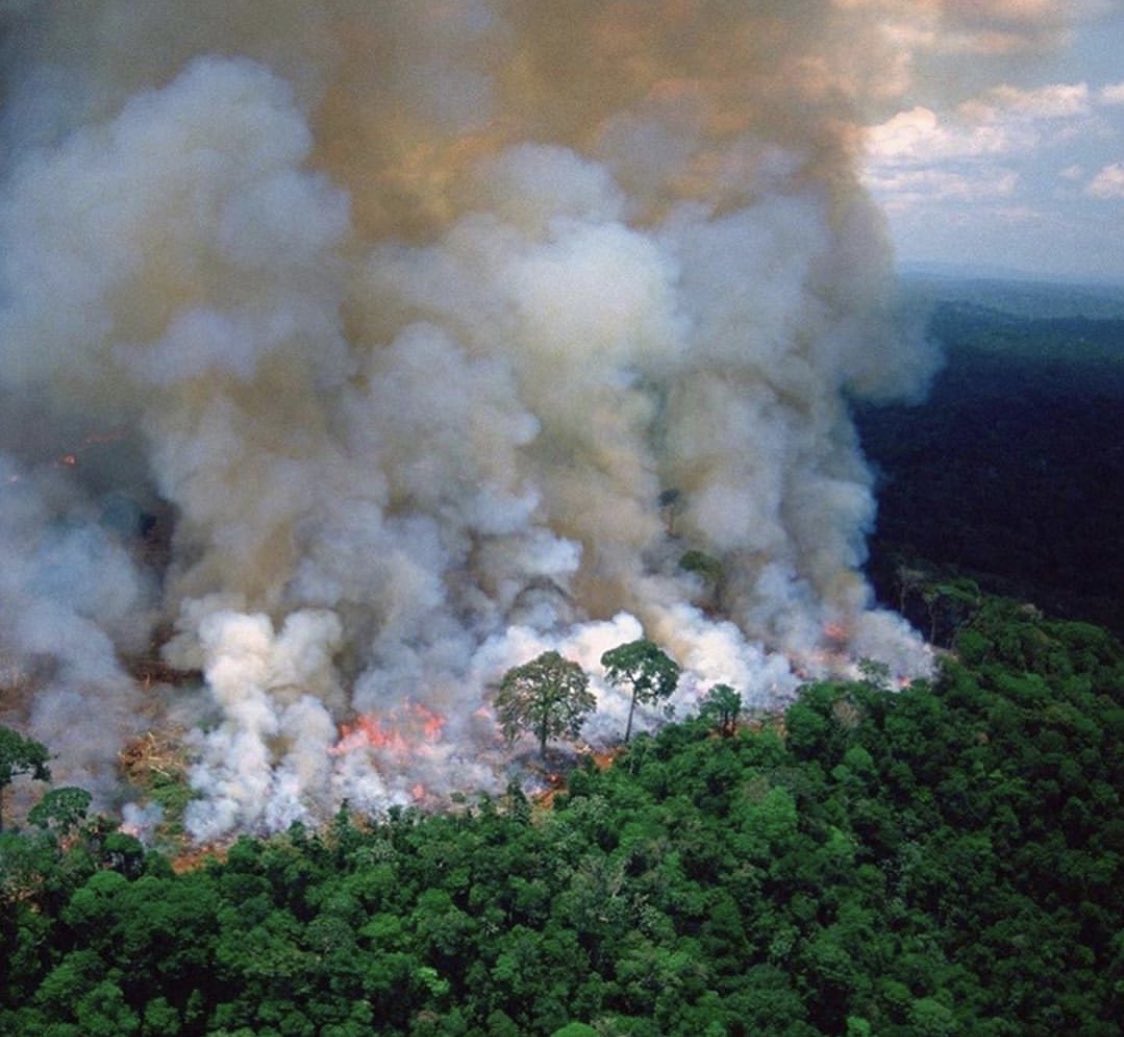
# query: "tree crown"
(644, 667)
(548, 696)
(19, 755)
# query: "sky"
(1004, 151)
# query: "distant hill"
(1014, 295)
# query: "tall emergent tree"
(645, 668)
(548, 696)
(19, 755)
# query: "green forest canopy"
(942, 860)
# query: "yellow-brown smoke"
(423, 316)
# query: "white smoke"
(416, 314)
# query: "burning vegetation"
(155, 765)
(410, 725)
(355, 355)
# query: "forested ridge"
(940, 859)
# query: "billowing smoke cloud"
(414, 338)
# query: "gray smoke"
(408, 318)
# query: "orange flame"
(369, 731)
(399, 732)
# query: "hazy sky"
(1007, 151)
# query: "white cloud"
(1053, 101)
(1108, 183)
(982, 27)
(1004, 120)
(922, 155)
(1112, 94)
(919, 137)
(920, 158)
(904, 189)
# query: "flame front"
(402, 732)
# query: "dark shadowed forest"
(1011, 473)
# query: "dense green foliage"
(723, 706)
(1012, 471)
(645, 670)
(940, 860)
(20, 755)
(548, 696)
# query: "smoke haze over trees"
(351, 354)
(347, 351)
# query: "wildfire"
(400, 732)
(830, 656)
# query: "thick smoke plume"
(354, 352)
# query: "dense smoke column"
(410, 315)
